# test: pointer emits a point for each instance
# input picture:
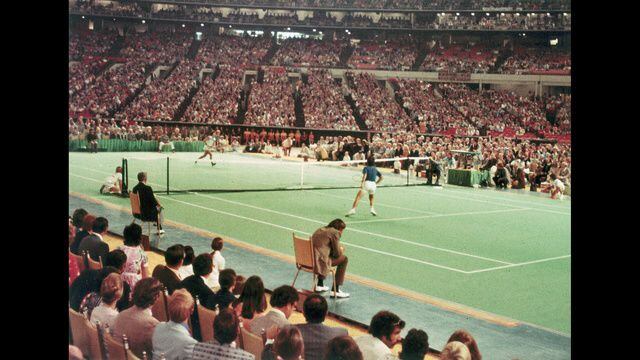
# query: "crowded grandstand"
(294, 100)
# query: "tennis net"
(233, 172)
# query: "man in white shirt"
(113, 184)
(384, 334)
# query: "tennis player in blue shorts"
(369, 184)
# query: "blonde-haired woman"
(110, 293)
(455, 350)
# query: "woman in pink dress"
(137, 265)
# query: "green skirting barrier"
(137, 145)
(466, 177)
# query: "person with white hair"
(209, 147)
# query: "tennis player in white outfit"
(371, 177)
(209, 148)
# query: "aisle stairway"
(422, 53)
(182, 108)
(272, 51)
(193, 49)
(345, 54)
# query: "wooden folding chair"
(305, 260)
(206, 318)
(117, 350)
(94, 265)
(137, 212)
(253, 344)
(85, 335)
(160, 309)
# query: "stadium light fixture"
(143, 21)
(288, 29)
(230, 26)
(83, 16)
(473, 14)
(487, 14)
(517, 14)
(565, 14)
(501, 14)
(457, 14)
(314, 30)
(183, 25)
(201, 24)
(548, 14)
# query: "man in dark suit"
(93, 243)
(434, 168)
(169, 275)
(202, 267)
(150, 207)
(316, 335)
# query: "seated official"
(150, 207)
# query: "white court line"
(508, 265)
(348, 229)
(491, 202)
(315, 192)
(519, 264)
(438, 215)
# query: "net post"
(125, 177)
(167, 175)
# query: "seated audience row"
(216, 101)
(271, 102)
(324, 104)
(308, 52)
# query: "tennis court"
(504, 253)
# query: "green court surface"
(505, 253)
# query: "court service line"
(307, 233)
(519, 264)
(355, 230)
(349, 228)
(439, 215)
(491, 202)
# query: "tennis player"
(369, 184)
(113, 184)
(557, 187)
(209, 147)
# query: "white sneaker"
(160, 232)
(351, 212)
(373, 212)
(321, 288)
(561, 197)
(340, 294)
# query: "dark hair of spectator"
(202, 265)
(252, 297)
(464, 337)
(216, 244)
(415, 345)
(173, 255)
(87, 222)
(383, 323)
(240, 280)
(342, 348)
(132, 235)
(100, 225)
(78, 217)
(189, 255)
(315, 309)
(141, 176)
(288, 344)
(283, 296)
(227, 278)
(225, 326)
(116, 258)
(337, 224)
(146, 292)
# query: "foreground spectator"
(196, 283)
(288, 344)
(283, 301)
(252, 303)
(117, 260)
(169, 275)
(316, 335)
(172, 338)
(93, 243)
(225, 332)
(415, 345)
(110, 292)
(87, 226)
(186, 269)
(224, 297)
(464, 337)
(455, 350)
(384, 334)
(137, 322)
(343, 348)
(137, 266)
